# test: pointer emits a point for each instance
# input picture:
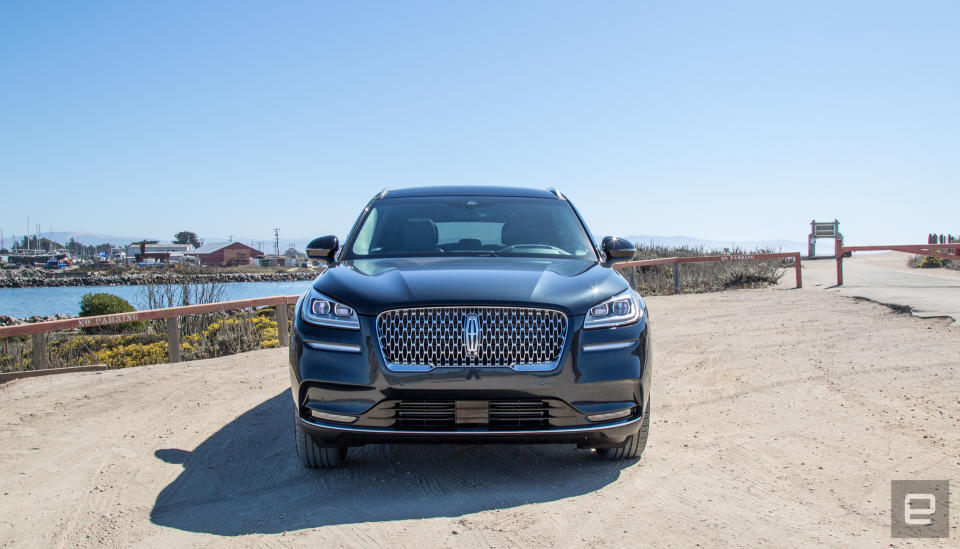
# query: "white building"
(134, 249)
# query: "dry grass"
(704, 277)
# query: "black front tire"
(313, 456)
(633, 447)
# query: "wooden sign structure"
(821, 229)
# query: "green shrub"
(107, 304)
(930, 262)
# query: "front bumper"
(343, 373)
(606, 435)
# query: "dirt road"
(780, 418)
(885, 278)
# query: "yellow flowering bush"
(190, 346)
(234, 334)
(72, 349)
(135, 354)
(269, 332)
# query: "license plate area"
(472, 413)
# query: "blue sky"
(723, 120)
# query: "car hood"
(371, 286)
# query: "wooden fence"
(39, 329)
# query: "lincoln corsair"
(470, 314)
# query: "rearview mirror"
(617, 249)
(323, 248)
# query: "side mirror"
(617, 249)
(323, 248)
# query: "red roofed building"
(225, 253)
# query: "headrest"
(520, 231)
(418, 235)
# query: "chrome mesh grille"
(508, 336)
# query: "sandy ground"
(779, 419)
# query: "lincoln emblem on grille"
(471, 334)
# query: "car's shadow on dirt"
(246, 479)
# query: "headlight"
(320, 310)
(623, 308)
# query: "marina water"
(46, 301)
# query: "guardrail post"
(676, 278)
(633, 277)
(173, 339)
(839, 254)
(283, 332)
(796, 265)
(40, 360)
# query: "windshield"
(471, 226)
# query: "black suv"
(470, 314)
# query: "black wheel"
(634, 445)
(311, 455)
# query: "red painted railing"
(932, 250)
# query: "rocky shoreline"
(41, 279)
(14, 321)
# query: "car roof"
(468, 190)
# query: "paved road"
(885, 278)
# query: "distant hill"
(747, 245)
(93, 239)
(87, 239)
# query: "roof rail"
(557, 193)
(383, 193)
